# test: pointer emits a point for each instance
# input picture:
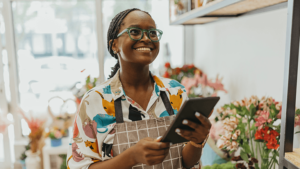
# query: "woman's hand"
(150, 152)
(201, 130)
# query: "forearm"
(190, 155)
(122, 161)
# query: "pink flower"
(279, 115)
(297, 120)
(58, 134)
(262, 119)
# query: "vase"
(56, 142)
(22, 162)
(33, 160)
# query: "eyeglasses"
(137, 34)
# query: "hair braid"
(112, 34)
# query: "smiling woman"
(124, 115)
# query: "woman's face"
(128, 49)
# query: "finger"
(158, 139)
(204, 121)
(156, 160)
(160, 152)
(192, 135)
(157, 145)
(190, 124)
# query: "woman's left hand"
(201, 129)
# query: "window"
(56, 50)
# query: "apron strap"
(167, 103)
(119, 113)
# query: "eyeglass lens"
(137, 34)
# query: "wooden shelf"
(293, 157)
(225, 9)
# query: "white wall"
(248, 52)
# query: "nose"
(145, 38)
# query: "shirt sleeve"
(91, 131)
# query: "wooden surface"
(200, 20)
(294, 157)
(245, 6)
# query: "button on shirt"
(93, 133)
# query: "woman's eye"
(134, 31)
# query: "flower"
(272, 144)
(58, 134)
(167, 65)
(262, 119)
(166, 75)
(258, 135)
(297, 120)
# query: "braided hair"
(112, 34)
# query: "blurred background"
(53, 51)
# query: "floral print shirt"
(93, 132)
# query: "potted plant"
(56, 135)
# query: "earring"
(115, 52)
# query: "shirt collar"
(117, 88)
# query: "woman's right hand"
(150, 151)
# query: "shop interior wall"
(248, 52)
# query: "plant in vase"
(37, 129)
(55, 134)
(254, 126)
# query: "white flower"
(238, 116)
(236, 104)
(220, 110)
(220, 144)
(238, 132)
(228, 135)
(245, 120)
(234, 136)
(234, 120)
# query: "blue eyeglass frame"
(143, 30)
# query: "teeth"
(143, 49)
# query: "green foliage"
(23, 155)
(227, 165)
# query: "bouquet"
(254, 126)
(194, 81)
(55, 133)
(37, 129)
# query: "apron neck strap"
(119, 113)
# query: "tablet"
(187, 111)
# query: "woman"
(101, 139)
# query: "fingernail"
(184, 122)
(197, 114)
(177, 130)
(159, 137)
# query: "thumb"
(158, 139)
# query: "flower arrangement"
(194, 80)
(37, 129)
(55, 133)
(250, 124)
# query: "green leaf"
(246, 147)
(244, 156)
(297, 132)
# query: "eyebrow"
(137, 26)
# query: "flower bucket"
(33, 160)
(56, 142)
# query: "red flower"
(258, 135)
(272, 144)
(166, 75)
(178, 70)
(191, 66)
(167, 65)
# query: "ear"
(114, 45)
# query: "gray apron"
(129, 133)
